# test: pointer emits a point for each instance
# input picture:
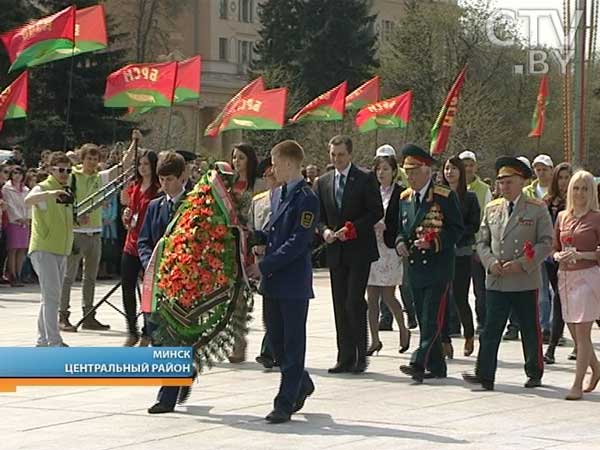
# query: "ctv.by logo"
(531, 22)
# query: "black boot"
(90, 323)
(549, 356)
(64, 324)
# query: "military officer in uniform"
(286, 276)
(516, 237)
(424, 226)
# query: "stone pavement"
(376, 410)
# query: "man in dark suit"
(286, 272)
(350, 205)
(170, 170)
(425, 226)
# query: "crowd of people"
(528, 245)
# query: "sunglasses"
(62, 169)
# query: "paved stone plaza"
(376, 410)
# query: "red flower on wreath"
(528, 250)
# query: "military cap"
(507, 166)
(415, 156)
(187, 155)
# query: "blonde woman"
(576, 243)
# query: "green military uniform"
(436, 216)
(523, 235)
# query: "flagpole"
(168, 128)
(405, 135)
(69, 94)
(197, 124)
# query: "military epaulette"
(441, 190)
(260, 195)
(406, 194)
(535, 201)
(496, 202)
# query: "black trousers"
(478, 275)
(348, 285)
(524, 305)
(558, 324)
(430, 305)
(459, 300)
(130, 269)
(285, 319)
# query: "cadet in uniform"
(516, 237)
(286, 272)
(424, 226)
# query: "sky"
(547, 30)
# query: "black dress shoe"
(265, 361)
(475, 379)
(417, 375)
(533, 383)
(302, 398)
(277, 416)
(385, 326)
(359, 367)
(431, 376)
(340, 368)
(512, 334)
(412, 324)
(185, 391)
(159, 408)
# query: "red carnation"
(568, 241)
(430, 236)
(528, 250)
(350, 232)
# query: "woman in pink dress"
(576, 245)
(17, 230)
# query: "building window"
(387, 28)
(246, 11)
(244, 52)
(223, 9)
(223, 49)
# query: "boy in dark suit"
(170, 170)
(286, 272)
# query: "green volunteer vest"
(480, 189)
(52, 228)
(86, 185)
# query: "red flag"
(326, 107)
(141, 85)
(391, 113)
(264, 110)
(187, 86)
(539, 115)
(216, 126)
(30, 44)
(440, 132)
(13, 99)
(366, 94)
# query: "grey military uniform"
(504, 238)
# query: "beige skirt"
(580, 294)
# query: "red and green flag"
(264, 110)
(366, 94)
(391, 113)
(30, 44)
(440, 133)
(539, 115)
(216, 126)
(13, 99)
(90, 34)
(140, 85)
(187, 85)
(326, 107)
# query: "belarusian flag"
(13, 99)
(141, 85)
(187, 85)
(216, 126)
(326, 107)
(391, 113)
(30, 44)
(366, 94)
(90, 34)
(264, 110)
(539, 115)
(440, 133)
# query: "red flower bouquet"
(528, 250)
(350, 231)
(567, 241)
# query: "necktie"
(283, 193)
(339, 193)
(511, 207)
(170, 204)
(417, 200)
